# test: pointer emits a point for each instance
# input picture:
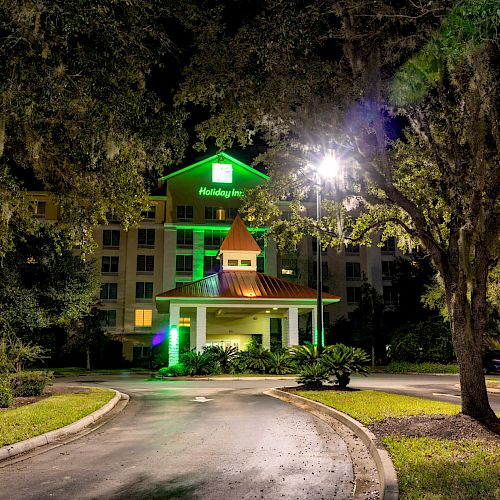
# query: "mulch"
(434, 426)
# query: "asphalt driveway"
(203, 440)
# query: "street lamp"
(327, 168)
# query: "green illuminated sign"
(222, 172)
(220, 192)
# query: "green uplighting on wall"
(173, 346)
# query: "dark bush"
(6, 396)
(25, 384)
(312, 376)
(424, 341)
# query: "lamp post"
(328, 168)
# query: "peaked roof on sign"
(244, 285)
(239, 238)
(220, 158)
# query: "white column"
(192, 333)
(173, 335)
(284, 332)
(266, 333)
(201, 327)
(293, 326)
(314, 326)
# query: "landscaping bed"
(437, 451)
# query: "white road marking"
(443, 394)
(201, 399)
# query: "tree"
(43, 287)
(84, 110)
(351, 75)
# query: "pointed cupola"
(239, 249)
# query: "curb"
(385, 468)
(11, 450)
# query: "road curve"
(217, 440)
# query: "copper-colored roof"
(239, 238)
(244, 285)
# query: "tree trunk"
(467, 343)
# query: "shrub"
(224, 356)
(404, 367)
(6, 396)
(426, 341)
(257, 358)
(177, 370)
(313, 375)
(341, 360)
(15, 354)
(29, 383)
(306, 354)
(280, 363)
(197, 363)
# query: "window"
(289, 267)
(232, 262)
(111, 238)
(389, 246)
(111, 218)
(260, 264)
(353, 294)
(146, 238)
(210, 213)
(145, 263)
(184, 212)
(352, 271)
(184, 321)
(214, 238)
(232, 213)
(211, 265)
(39, 208)
(109, 264)
(389, 294)
(184, 263)
(352, 249)
(388, 269)
(324, 269)
(143, 318)
(144, 290)
(108, 317)
(141, 353)
(109, 291)
(185, 237)
(245, 262)
(150, 213)
(181, 283)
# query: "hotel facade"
(177, 243)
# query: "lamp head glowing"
(329, 167)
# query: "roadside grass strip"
(54, 412)
(371, 406)
(443, 469)
(427, 468)
(493, 383)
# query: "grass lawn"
(428, 468)
(56, 411)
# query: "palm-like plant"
(224, 356)
(313, 375)
(305, 354)
(341, 360)
(280, 363)
(197, 363)
(257, 358)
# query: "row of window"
(211, 265)
(144, 263)
(388, 247)
(143, 318)
(212, 238)
(186, 213)
(352, 269)
(145, 238)
(143, 290)
(148, 215)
